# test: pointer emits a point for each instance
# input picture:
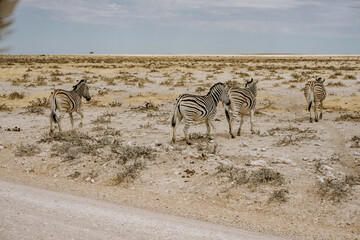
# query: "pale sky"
(185, 27)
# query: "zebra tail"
(311, 98)
(53, 109)
(176, 111)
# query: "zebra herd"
(236, 101)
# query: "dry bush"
(349, 117)
(335, 189)
(200, 89)
(251, 177)
(356, 142)
(104, 118)
(40, 81)
(279, 195)
(211, 148)
(130, 172)
(5, 108)
(115, 104)
(148, 106)
(126, 153)
(335, 84)
(26, 150)
(70, 146)
(349, 77)
(15, 95)
(40, 102)
(232, 83)
(103, 91)
(36, 110)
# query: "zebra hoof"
(239, 134)
(233, 136)
(316, 120)
(310, 121)
(189, 143)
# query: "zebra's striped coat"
(198, 108)
(68, 101)
(315, 94)
(243, 102)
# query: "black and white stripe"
(198, 108)
(68, 101)
(243, 102)
(315, 93)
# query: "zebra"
(68, 101)
(198, 108)
(315, 94)
(243, 101)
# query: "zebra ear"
(319, 79)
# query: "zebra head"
(220, 90)
(252, 85)
(83, 89)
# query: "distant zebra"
(68, 101)
(315, 94)
(198, 108)
(243, 101)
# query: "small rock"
(317, 144)
(211, 141)
(42, 154)
(243, 144)
(171, 147)
(260, 163)
(88, 179)
(92, 180)
(283, 160)
(305, 159)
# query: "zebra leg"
(186, 128)
(321, 109)
(175, 122)
(241, 123)
(59, 122)
(82, 117)
(229, 120)
(208, 122)
(310, 115)
(71, 121)
(51, 124)
(252, 112)
(316, 112)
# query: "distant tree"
(91, 52)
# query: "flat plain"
(291, 178)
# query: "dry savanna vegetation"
(291, 178)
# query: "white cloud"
(321, 17)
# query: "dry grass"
(335, 84)
(334, 189)
(15, 95)
(354, 117)
(5, 108)
(251, 177)
(26, 150)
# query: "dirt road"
(32, 213)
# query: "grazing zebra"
(68, 101)
(315, 94)
(243, 101)
(198, 108)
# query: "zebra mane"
(78, 84)
(215, 85)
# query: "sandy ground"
(291, 178)
(31, 213)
